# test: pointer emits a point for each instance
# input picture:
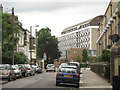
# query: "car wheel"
(38, 72)
(57, 84)
(46, 71)
(10, 78)
(14, 77)
(54, 70)
(21, 76)
(77, 85)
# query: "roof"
(69, 67)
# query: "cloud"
(25, 7)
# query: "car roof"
(50, 64)
(74, 63)
(69, 66)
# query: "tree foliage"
(78, 59)
(20, 58)
(47, 44)
(106, 56)
(90, 58)
(7, 40)
(85, 55)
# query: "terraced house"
(109, 33)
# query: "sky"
(55, 14)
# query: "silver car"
(17, 70)
(37, 67)
(50, 67)
(30, 70)
(6, 72)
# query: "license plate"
(68, 76)
(51, 68)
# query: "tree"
(78, 59)
(20, 58)
(7, 37)
(106, 56)
(7, 41)
(47, 44)
(85, 55)
(90, 58)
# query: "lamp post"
(13, 34)
(31, 42)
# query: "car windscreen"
(15, 67)
(50, 65)
(72, 64)
(63, 64)
(3, 67)
(68, 70)
(33, 64)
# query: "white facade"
(23, 43)
(78, 36)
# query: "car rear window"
(50, 65)
(72, 64)
(68, 70)
(3, 67)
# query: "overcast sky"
(55, 14)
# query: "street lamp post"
(13, 34)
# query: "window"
(75, 52)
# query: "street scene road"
(88, 79)
(60, 44)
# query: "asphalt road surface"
(44, 80)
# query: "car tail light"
(28, 68)
(23, 69)
(6, 72)
(77, 75)
(58, 74)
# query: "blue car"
(68, 74)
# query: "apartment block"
(81, 35)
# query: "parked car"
(62, 64)
(37, 67)
(68, 74)
(6, 72)
(17, 70)
(50, 67)
(23, 70)
(30, 70)
(74, 64)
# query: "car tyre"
(14, 77)
(57, 84)
(77, 85)
(10, 78)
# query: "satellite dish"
(114, 37)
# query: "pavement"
(89, 79)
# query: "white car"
(37, 67)
(50, 67)
(17, 71)
(62, 64)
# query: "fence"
(102, 69)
